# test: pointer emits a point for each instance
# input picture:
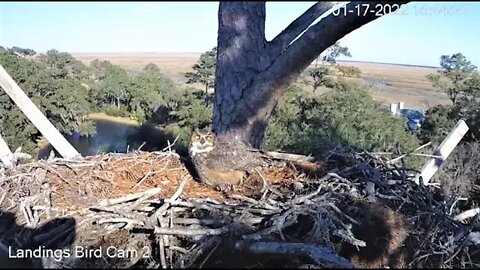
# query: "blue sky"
(418, 35)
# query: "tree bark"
(252, 74)
(206, 94)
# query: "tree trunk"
(206, 94)
(252, 74)
(241, 55)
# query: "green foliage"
(191, 112)
(333, 52)
(308, 124)
(152, 91)
(51, 82)
(319, 75)
(22, 51)
(114, 88)
(63, 65)
(138, 97)
(113, 110)
(461, 81)
(439, 121)
(455, 76)
(349, 71)
(204, 70)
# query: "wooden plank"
(5, 152)
(34, 114)
(442, 152)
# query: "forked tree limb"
(316, 39)
(294, 29)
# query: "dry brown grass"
(400, 83)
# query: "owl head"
(201, 141)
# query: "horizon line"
(157, 52)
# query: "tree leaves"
(53, 82)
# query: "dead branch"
(190, 232)
(129, 197)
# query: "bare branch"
(319, 37)
(190, 232)
(293, 30)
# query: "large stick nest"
(145, 209)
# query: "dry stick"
(169, 147)
(163, 260)
(129, 221)
(467, 214)
(189, 221)
(174, 197)
(141, 200)
(149, 174)
(253, 201)
(408, 153)
(319, 255)
(179, 249)
(289, 157)
(190, 232)
(335, 208)
(167, 239)
(209, 254)
(301, 199)
(129, 197)
(454, 203)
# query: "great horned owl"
(216, 166)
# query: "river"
(113, 135)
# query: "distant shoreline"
(384, 63)
(197, 54)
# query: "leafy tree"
(22, 51)
(319, 75)
(311, 124)
(62, 100)
(333, 52)
(152, 91)
(63, 65)
(204, 71)
(439, 121)
(114, 88)
(454, 76)
(349, 71)
(461, 80)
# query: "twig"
(467, 214)
(406, 154)
(289, 157)
(129, 197)
(169, 147)
(128, 221)
(140, 147)
(190, 232)
(147, 175)
(454, 203)
(174, 197)
(163, 260)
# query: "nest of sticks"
(145, 209)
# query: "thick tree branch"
(293, 30)
(318, 38)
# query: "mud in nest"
(145, 209)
